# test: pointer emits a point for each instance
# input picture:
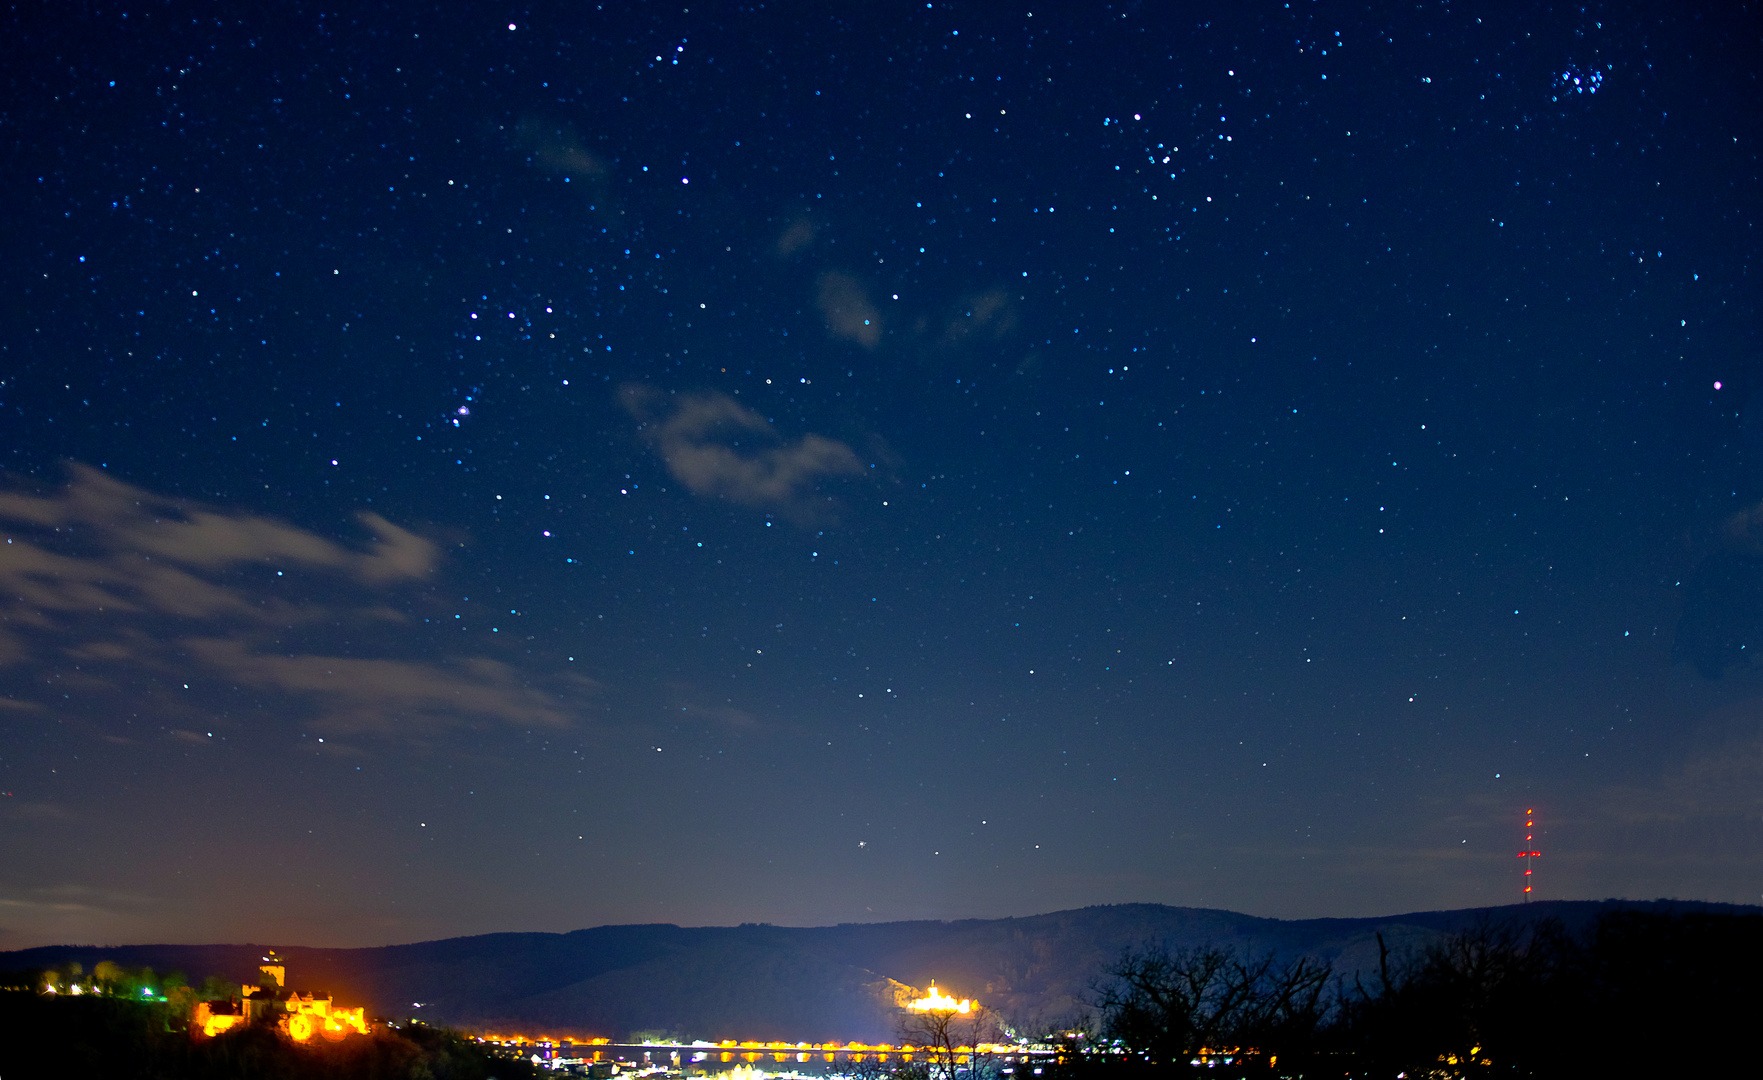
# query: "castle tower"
(274, 972)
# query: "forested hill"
(758, 981)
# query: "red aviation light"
(1529, 853)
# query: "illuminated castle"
(937, 1001)
(300, 1017)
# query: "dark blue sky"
(488, 468)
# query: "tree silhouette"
(1166, 1009)
(944, 1036)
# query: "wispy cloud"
(987, 315)
(716, 446)
(558, 148)
(1744, 529)
(114, 588)
(70, 913)
(849, 312)
(1724, 782)
(367, 695)
(123, 528)
(798, 234)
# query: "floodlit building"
(937, 1001)
(301, 1016)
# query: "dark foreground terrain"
(1622, 990)
(807, 983)
(79, 1039)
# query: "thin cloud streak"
(138, 526)
(849, 312)
(131, 589)
(700, 439)
(373, 695)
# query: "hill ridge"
(761, 981)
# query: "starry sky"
(483, 468)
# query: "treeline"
(123, 1035)
(113, 980)
(1637, 994)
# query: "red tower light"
(1528, 853)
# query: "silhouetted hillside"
(79, 1038)
(796, 983)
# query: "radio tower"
(1528, 854)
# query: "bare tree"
(1165, 1007)
(944, 1036)
(1467, 1000)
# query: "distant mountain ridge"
(757, 981)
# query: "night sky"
(493, 468)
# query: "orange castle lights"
(936, 1001)
(301, 1017)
